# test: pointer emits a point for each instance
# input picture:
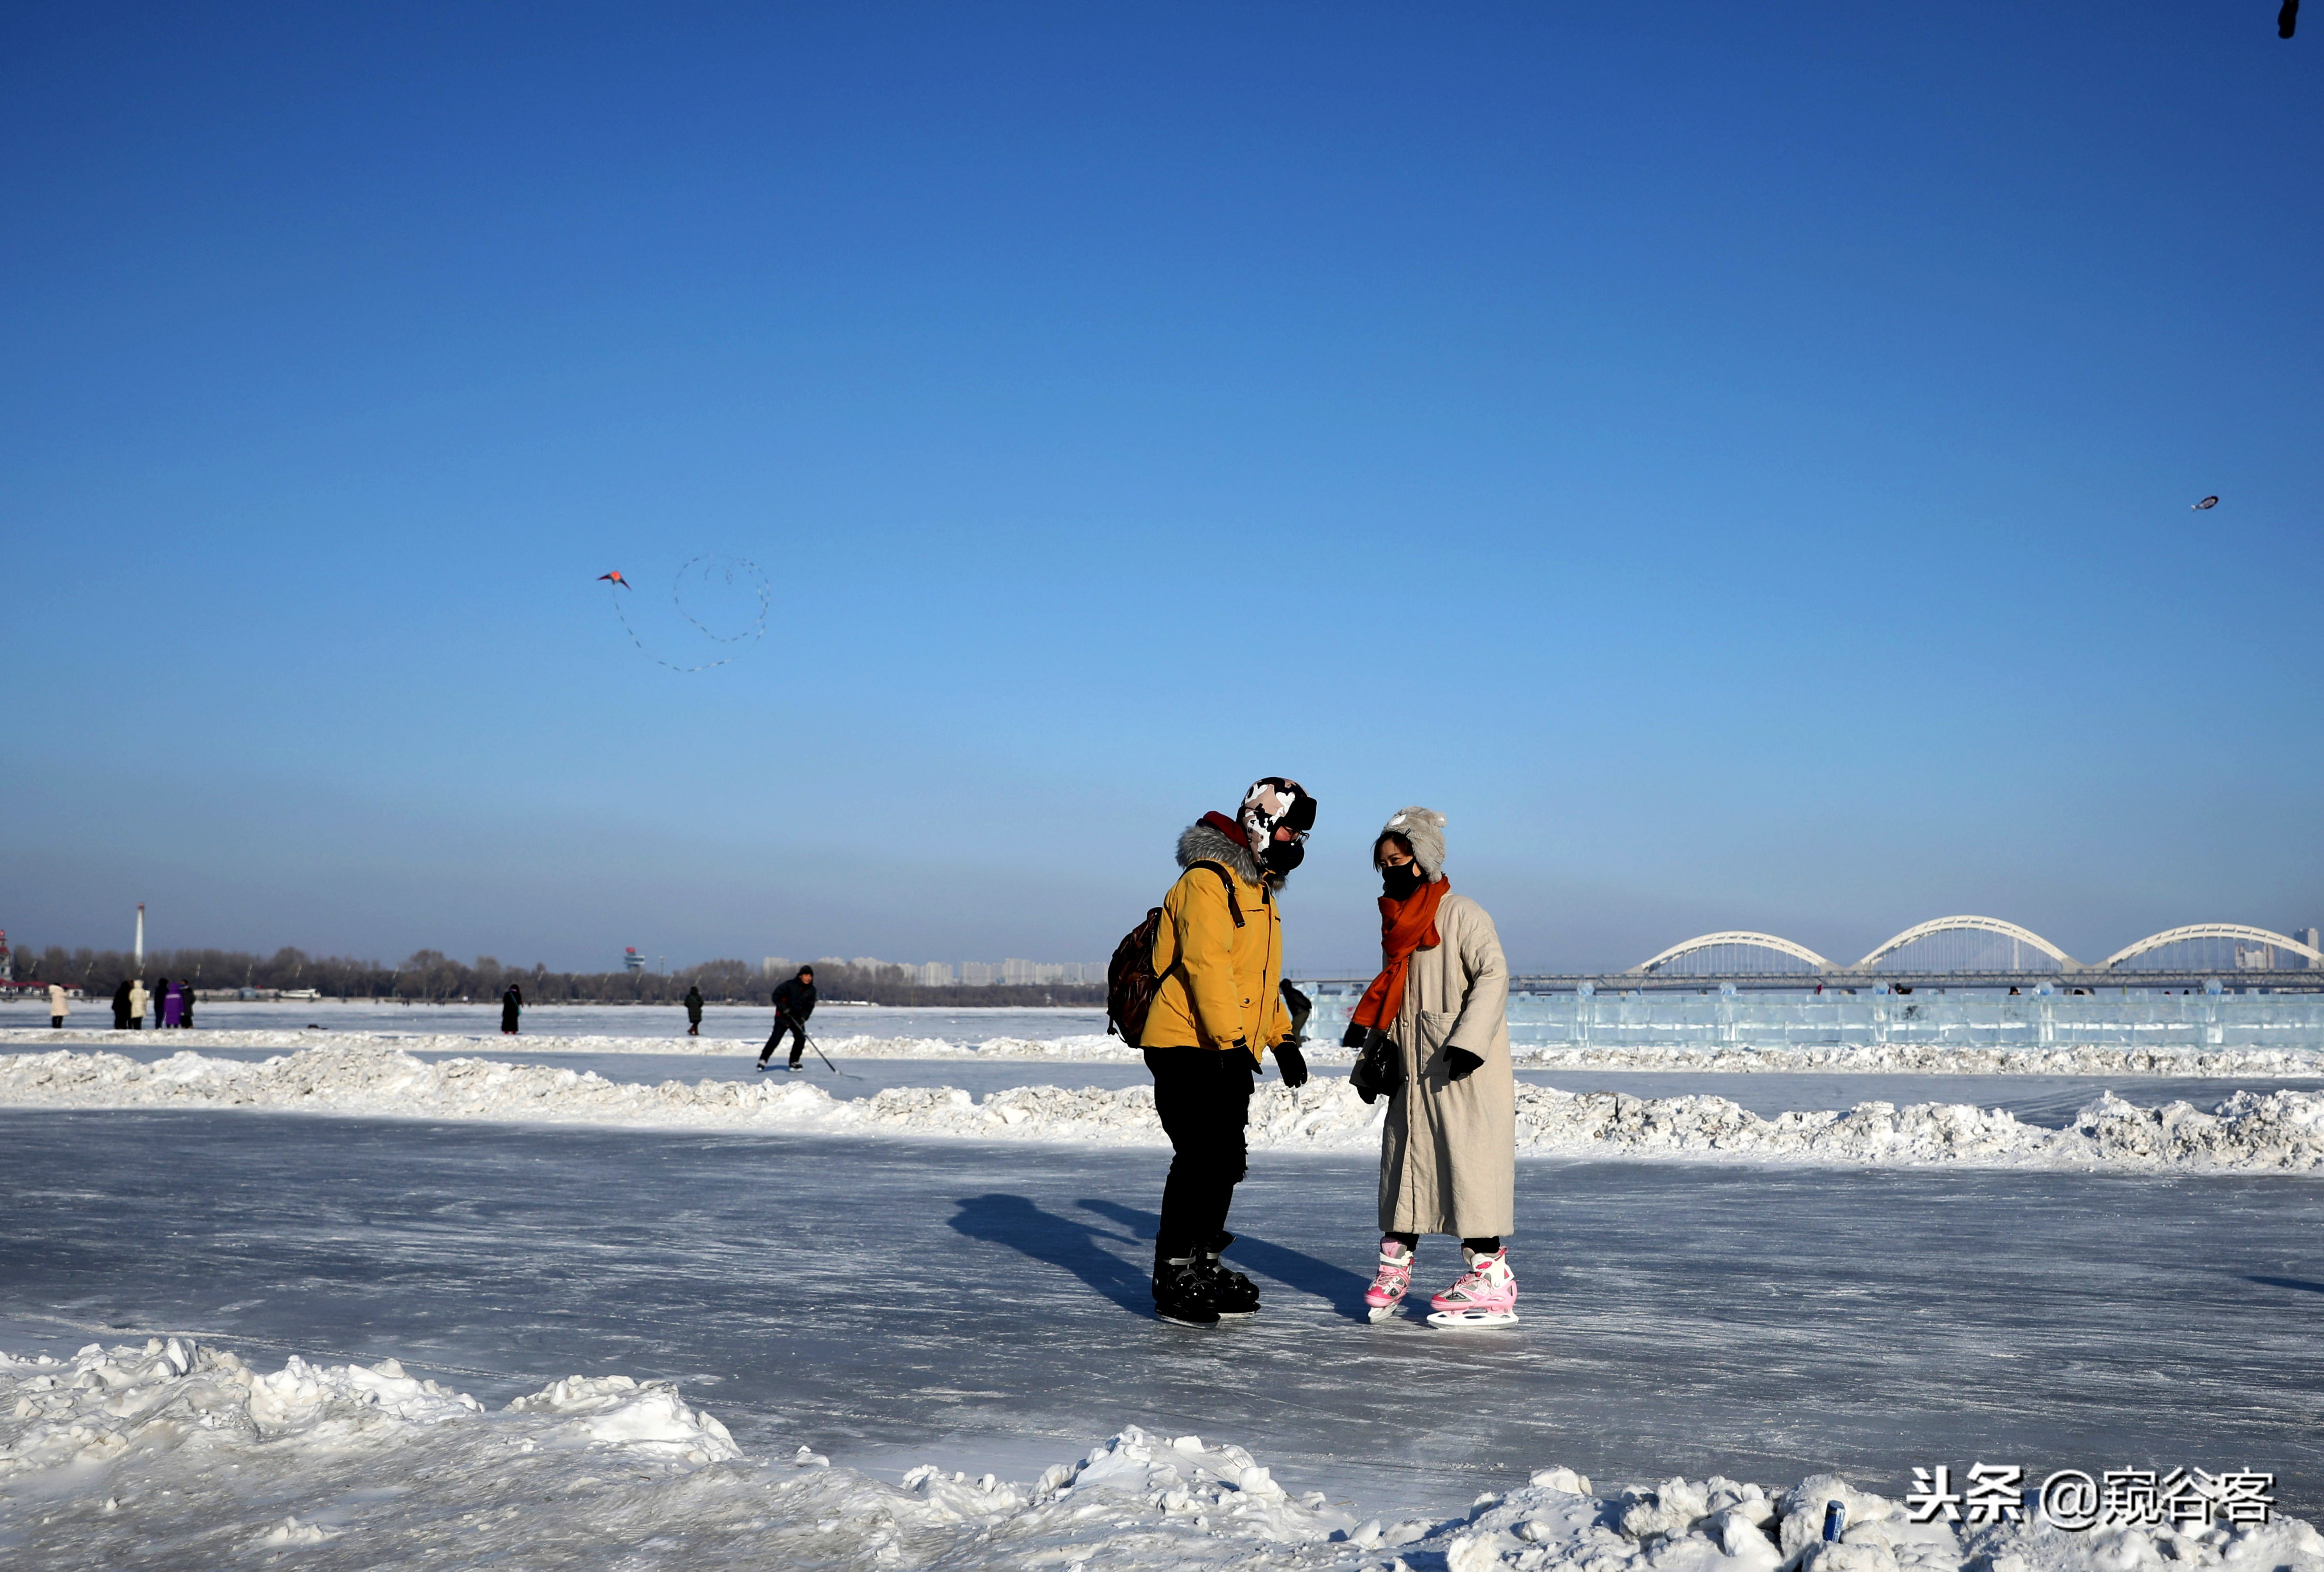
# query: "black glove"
(1292, 1063)
(1354, 1036)
(1378, 1070)
(1459, 1064)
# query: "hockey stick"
(834, 1069)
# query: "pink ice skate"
(1486, 1295)
(1394, 1276)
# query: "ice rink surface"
(892, 1301)
(482, 1019)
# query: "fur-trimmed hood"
(1203, 843)
(1423, 829)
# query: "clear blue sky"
(1735, 460)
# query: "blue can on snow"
(1835, 1521)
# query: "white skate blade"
(1471, 1320)
(1377, 1313)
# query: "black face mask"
(1283, 855)
(1400, 881)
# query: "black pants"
(1204, 1097)
(799, 1039)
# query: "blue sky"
(1735, 461)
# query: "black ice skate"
(1182, 1294)
(1232, 1293)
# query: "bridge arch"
(2242, 933)
(1992, 925)
(1739, 938)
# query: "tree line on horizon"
(430, 977)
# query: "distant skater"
(174, 1004)
(693, 1011)
(794, 1002)
(121, 1006)
(1433, 1036)
(512, 1004)
(58, 1008)
(185, 1009)
(137, 999)
(160, 998)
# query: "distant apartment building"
(934, 974)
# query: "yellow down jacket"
(1220, 982)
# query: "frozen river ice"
(390, 1017)
(892, 1301)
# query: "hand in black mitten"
(1354, 1036)
(1292, 1063)
(1459, 1064)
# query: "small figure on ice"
(693, 1010)
(794, 1002)
(511, 1005)
(1432, 1034)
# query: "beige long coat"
(1448, 1156)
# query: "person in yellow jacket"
(1218, 957)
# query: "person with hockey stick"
(1432, 1034)
(794, 1002)
(1218, 960)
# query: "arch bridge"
(1750, 958)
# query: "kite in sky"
(2287, 19)
(2208, 502)
(742, 584)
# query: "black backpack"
(1129, 981)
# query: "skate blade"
(1472, 1319)
(1377, 1313)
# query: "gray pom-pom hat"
(1422, 829)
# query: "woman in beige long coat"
(1436, 1020)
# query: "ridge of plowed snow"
(2273, 1131)
(2065, 1059)
(178, 1454)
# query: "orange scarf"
(1406, 926)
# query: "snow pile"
(176, 1455)
(1717, 1525)
(1933, 1059)
(1825, 1058)
(2273, 1131)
